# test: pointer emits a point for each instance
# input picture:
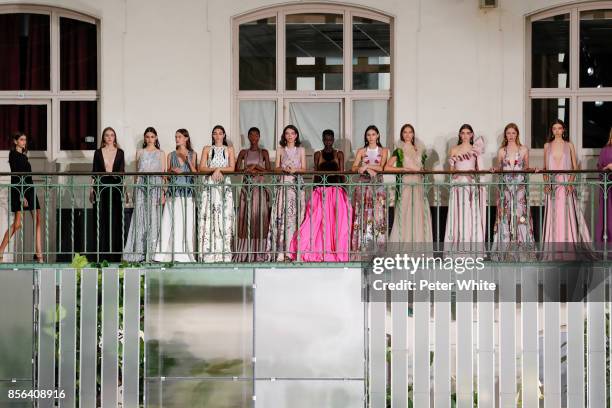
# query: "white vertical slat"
(552, 342)
(575, 354)
(529, 320)
(88, 338)
(442, 355)
(486, 344)
(131, 338)
(46, 334)
(596, 340)
(507, 338)
(399, 345)
(378, 355)
(110, 329)
(421, 390)
(464, 347)
(67, 354)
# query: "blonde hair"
(515, 127)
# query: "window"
(49, 79)
(316, 67)
(571, 74)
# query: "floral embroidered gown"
(216, 218)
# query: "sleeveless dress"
(216, 220)
(178, 220)
(253, 214)
(144, 227)
(369, 230)
(324, 235)
(287, 207)
(466, 219)
(513, 232)
(603, 229)
(565, 230)
(412, 216)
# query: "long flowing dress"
(108, 208)
(324, 233)
(565, 230)
(287, 207)
(513, 231)
(216, 219)
(253, 214)
(369, 229)
(412, 216)
(144, 227)
(604, 225)
(466, 221)
(177, 236)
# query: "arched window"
(48, 79)
(570, 73)
(314, 66)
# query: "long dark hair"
(16, 136)
(565, 135)
(224, 135)
(185, 133)
(152, 130)
(283, 141)
(407, 125)
(365, 136)
(102, 142)
(468, 127)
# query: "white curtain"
(312, 118)
(260, 114)
(370, 112)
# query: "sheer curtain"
(312, 118)
(370, 112)
(260, 114)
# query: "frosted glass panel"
(309, 394)
(199, 323)
(312, 118)
(370, 112)
(309, 323)
(199, 393)
(262, 115)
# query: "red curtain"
(78, 55)
(78, 119)
(31, 119)
(9, 53)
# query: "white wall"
(168, 64)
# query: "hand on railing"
(216, 176)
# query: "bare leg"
(16, 226)
(37, 220)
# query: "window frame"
(573, 92)
(280, 94)
(55, 95)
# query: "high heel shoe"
(38, 259)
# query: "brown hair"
(515, 127)
(402, 132)
(185, 133)
(565, 135)
(102, 143)
(17, 135)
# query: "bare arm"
(526, 158)
(340, 160)
(277, 161)
(231, 161)
(546, 147)
(302, 160)
(574, 162)
(203, 163)
(357, 161)
(240, 160)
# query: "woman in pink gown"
(466, 219)
(563, 219)
(324, 235)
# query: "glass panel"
(200, 323)
(78, 125)
(596, 48)
(543, 113)
(312, 118)
(78, 55)
(194, 393)
(260, 114)
(31, 119)
(308, 394)
(370, 112)
(314, 52)
(371, 54)
(16, 338)
(550, 58)
(310, 324)
(596, 123)
(25, 52)
(257, 65)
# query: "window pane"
(78, 55)
(314, 52)
(257, 45)
(25, 52)
(366, 113)
(543, 113)
(550, 58)
(260, 114)
(371, 54)
(596, 123)
(78, 125)
(31, 119)
(312, 118)
(596, 48)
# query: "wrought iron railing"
(313, 216)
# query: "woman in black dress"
(23, 196)
(107, 198)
